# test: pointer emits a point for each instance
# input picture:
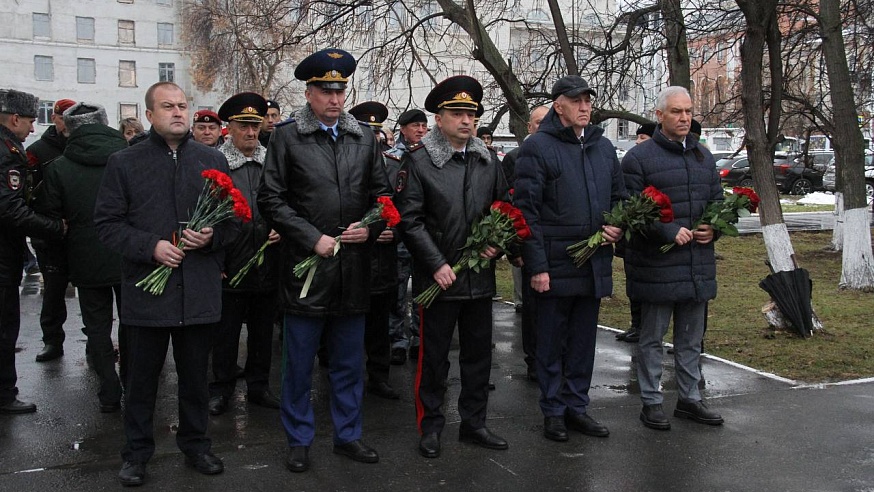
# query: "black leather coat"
(313, 185)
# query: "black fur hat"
(20, 103)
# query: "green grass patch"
(737, 330)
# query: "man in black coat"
(148, 190)
(567, 176)
(450, 183)
(253, 299)
(323, 173)
(18, 111)
(69, 191)
(51, 255)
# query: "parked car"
(795, 178)
(828, 179)
(735, 171)
(818, 159)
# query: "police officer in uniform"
(323, 173)
(451, 183)
(18, 110)
(207, 128)
(253, 299)
(413, 125)
(383, 281)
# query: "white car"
(828, 179)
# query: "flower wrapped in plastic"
(383, 210)
(503, 225)
(722, 216)
(632, 216)
(219, 200)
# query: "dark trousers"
(635, 307)
(345, 343)
(10, 322)
(474, 320)
(377, 342)
(259, 311)
(398, 319)
(529, 321)
(146, 354)
(54, 306)
(566, 333)
(95, 303)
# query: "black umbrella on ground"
(791, 291)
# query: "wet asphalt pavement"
(779, 435)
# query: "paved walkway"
(778, 436)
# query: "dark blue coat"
(563, 188)
(689, 177)
(147, 191)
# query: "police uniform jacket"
(313, 185)
(384, 262)
(147, 192)
(69, 190)
(17, 220)
(563, 187)
(441, 197)
(688, 176)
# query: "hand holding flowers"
(721, 216)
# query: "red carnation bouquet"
(632, 216)
(722, 216)
(384, 210)
(503, 225)
(219, 200)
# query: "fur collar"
(308, 123)
(236, 159)
(441, 150)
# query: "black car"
(735, 171)
(795, 178)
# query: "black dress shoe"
(554, 429)
(50, 352)
(298, 459)
(697, 411)
(263, 398)
(581, 422)
(382, 390)
(358, 451)
(218, 405)
(17, 406)
(429, 445)
(654, 417)
(398, 356)
(206, 463)
(132, 474)
(110, 407)
(632, 335)
(481, 437)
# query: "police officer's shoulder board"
(415, 147)
(283, 123)
(393, 154)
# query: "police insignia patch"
(401, 182)
(13, 179)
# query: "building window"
(622, 129)
(125, 1)
(166, 3)
(43, 68)
(165, 34)
(167, 72)
(44, 116)
(42, 25)
(127, 73)
(126, 110)
(86, 71)
(126, 32)
(85, 29)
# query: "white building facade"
(103, 51)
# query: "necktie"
(458, 156)
(330, 132)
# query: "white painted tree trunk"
(779, 247)
(857, 267)
(838, 232)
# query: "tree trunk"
(570, 59)
(857, 266)
(761, 18)
(677, 48)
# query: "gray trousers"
(688, 332)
